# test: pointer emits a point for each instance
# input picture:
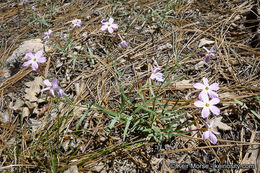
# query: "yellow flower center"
(109, 25)
(207, 105)
(34, 59)
(51, 87)
(210, 129)
(207, 88)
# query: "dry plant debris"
(124, 96)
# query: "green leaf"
(83, 117)
(145, 103)
(124, 96)
(112, 124)
(127, 126)
(256, 114)
(68, 100)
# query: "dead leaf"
(26, 112)
(72, 169)
(18, 104)
(4, 117)
(227, 95)
(33, 90)
(220, 124)
(204, 42)
(184, 84)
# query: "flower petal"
(217, 133)
(47, 82)
(159, 75)
(214, 101)
(204, 97)
(34, 66)
(29, 55)
(205, 112)
(205, 81)
(213, 139)
(211, 123)
(215, 110)
(199, 104)
(27, 63)
(213, 56)
(157, 69)
(41, 59)
(54, 82)
(213, 94)
(207, 58)
(152, 76)
(205, 49)
(111, 20)
(110, 30)
(45, 89)
(61, 93)
(205, 135)
(114, 26)
(103, 28)
(160, 79)
(52, 92)
(38, 55)
(214, 86)
(123, 44)
(212, 49)
(199, 86)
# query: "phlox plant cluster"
(35, 59)
(208, 98)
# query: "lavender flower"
(123, 44)
(76, 23)
(207, 105)
(48, 34)
(210, 54)
(52, 87)
(61, 93)
(210, 133)
(26, 1)
(206, 88)
(156, 74)
(109, 25)
(34, 60)
(33, 8)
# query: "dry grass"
(169, 34)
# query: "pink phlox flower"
(110, 26)
(34, 60)
(123, 44)
(156, 74)
(61, 93)
(48, 34)
(207, 105)
(206, 88)
(53, 87)
(25, 1)
(33, 8)
(210, 133)
(76, 23)
(210, 53)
